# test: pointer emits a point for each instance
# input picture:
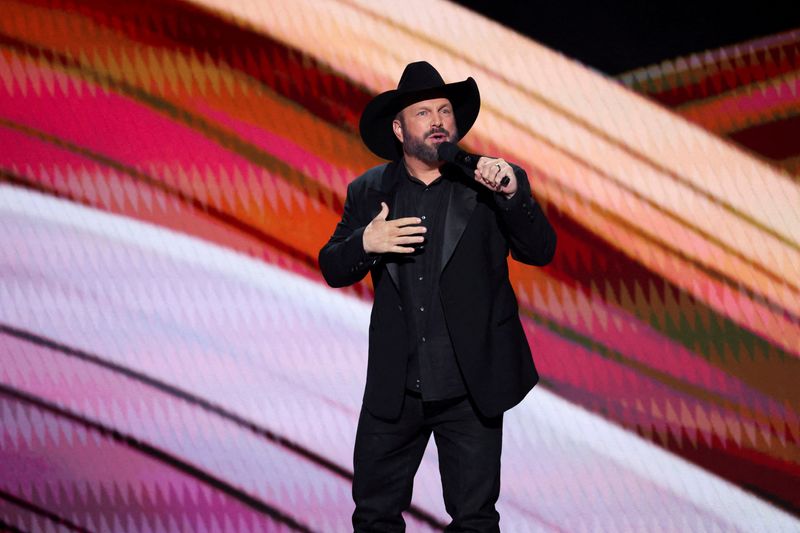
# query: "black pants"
(388, 453)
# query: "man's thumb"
(384, 211)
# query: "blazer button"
(400, 307)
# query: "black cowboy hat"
(420, 81)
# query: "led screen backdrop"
(171, 360)
(747, 93)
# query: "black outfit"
(388, 453)
(432, 368)
(480, 364)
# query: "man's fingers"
(409, 240)
(490, 172)
(495, 172)
(384, 212)
(405, 221)
(410, 230)
(387, 236)
(401, 250)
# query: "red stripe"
(776, 140)
(720, 78)
(186, 28)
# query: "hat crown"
(419, 75)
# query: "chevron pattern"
(171, 359)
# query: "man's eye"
(447, 111)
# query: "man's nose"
(436, 119)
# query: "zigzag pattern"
(747, 93)
(671, 310)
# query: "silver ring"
(499, 168)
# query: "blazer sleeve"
(343, 260)
(531, 237)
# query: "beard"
(416, 146)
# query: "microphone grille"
(447, 151)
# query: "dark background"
(615, 37)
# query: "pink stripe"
(61, 466)
(84, 180)
(613, 328)
(334, 177)
(124, 130)
(184, 430)
(628, 397)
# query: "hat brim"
(376, 120)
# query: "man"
(447, 352)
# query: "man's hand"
(382, 236)
(491, 171)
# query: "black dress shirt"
(432, 367)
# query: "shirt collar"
(405, 173)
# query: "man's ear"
(397, 128)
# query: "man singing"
(447, 352)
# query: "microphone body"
(451, 153)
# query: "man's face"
(423, 126)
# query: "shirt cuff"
(507, 204)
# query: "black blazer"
(478, 301)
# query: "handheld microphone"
(451, 153)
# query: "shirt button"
(423, 217)
(422, 308)
(420, 278)
(423, 339)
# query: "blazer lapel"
(460, 206)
